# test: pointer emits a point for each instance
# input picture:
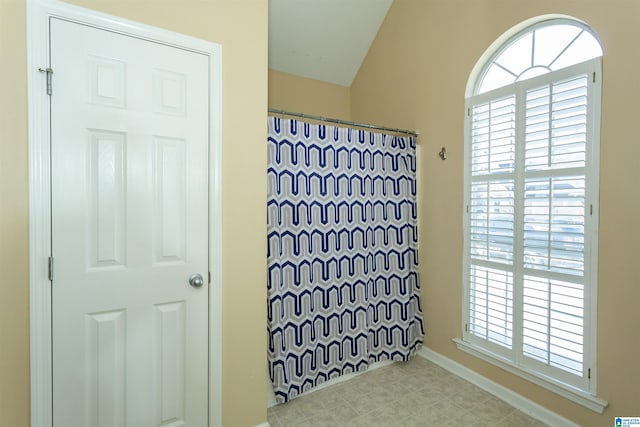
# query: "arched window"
(545, 47)
(531, 203)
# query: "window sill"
(580, 397)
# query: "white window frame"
(582, 392)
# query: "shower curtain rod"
(343, 122)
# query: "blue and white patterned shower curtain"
(342, 252)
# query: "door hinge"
(594, 77)
(466, 327)
(50, 268)
(590, 209)
(49, 72)
(209, 277)
(589, 373)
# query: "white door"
(129, 180)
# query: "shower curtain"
(343, 289)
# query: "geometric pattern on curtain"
(343, 288)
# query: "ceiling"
(325, 40)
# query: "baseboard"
(271, 397)
(263, 425)
(514, 399)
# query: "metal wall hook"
(443, 154)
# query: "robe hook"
(443, 154)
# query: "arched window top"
(538, 49)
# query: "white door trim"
(39, 13)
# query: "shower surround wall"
(342, 252)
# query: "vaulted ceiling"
(325, 40)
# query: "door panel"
(129, 226)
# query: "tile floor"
(415, 393)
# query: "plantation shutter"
(492, 220)
(527, 217)
(554, 223)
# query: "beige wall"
(435, 44)
(14, 262)
(309, 96)
(241, 28)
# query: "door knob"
(196, 280)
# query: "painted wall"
(309, 96)
(14, 243)
(241, 29)
(435, 45)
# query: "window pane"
(491, 305)
(583, 49)
(554, 224)
(537, 128)
(518, 57)
(491, 221)
(493, 136)
(556, 125)
(496, 77)
(551, 41)
(553, 323)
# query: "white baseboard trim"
(263, 425)
(580, 397)
(512, 398)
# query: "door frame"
(39, 13)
